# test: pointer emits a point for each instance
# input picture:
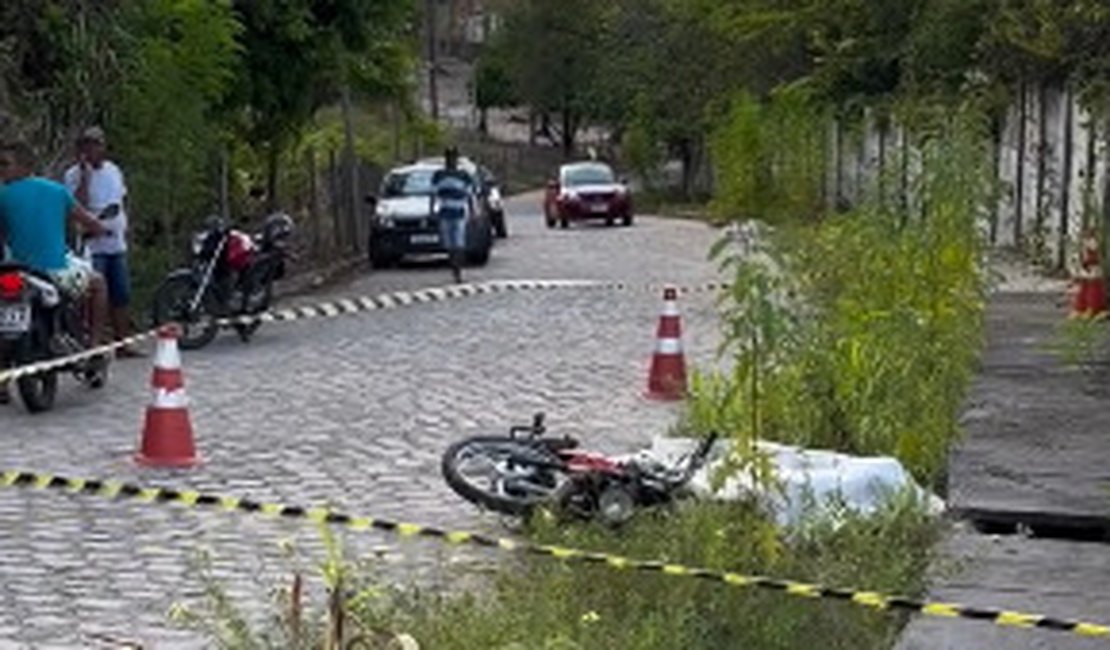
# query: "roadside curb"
(311, 280)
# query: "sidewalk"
(1033, 474)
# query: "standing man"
(98, 185)
(453, 191)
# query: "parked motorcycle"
(38, 322)
(513, 474)
(230, 274)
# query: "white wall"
(1045, 214)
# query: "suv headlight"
(495, 199)
(384, 218)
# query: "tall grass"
(859, 333)
(544, 604)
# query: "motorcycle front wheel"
(173, 304)
(37, 391)
(502, 474)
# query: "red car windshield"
(587, 175)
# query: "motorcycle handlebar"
(536, 429)
(698, 458)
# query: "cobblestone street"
(353, 412)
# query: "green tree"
(554, 52)
(59, 69)
(179, 64)
(300, 54)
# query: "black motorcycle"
(231, 274)
(515, 473)
(38, 323)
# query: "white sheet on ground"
(810, 482)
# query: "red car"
(587, 190)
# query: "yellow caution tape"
(870, 599)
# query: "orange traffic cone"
(1089, 292)
(167, 438)
(667, 378)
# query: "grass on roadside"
(544, 604)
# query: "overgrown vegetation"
(858, 331)
(204, 100)
(536, 603)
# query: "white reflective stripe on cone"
(167, 356)
(169, 399)
(669, 346)
(670, 308)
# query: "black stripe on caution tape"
(63, 362)
(349, 306)
(869, 599)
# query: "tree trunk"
(335, 201)
(395, 122)
(167, 214)
(686, 155)
(433, 56)
(313, 201)
(1065, 185)
(569, 128)
(350, 175)
(1042, 160)
(225, 172)
(1019, 185)
(272, 174)
(545, 125)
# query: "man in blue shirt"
(453, 192)
(34, 214)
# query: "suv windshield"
(410, 183)
(587, 175)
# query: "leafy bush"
(769, 158)
(863, 337)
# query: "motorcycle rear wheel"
(171, 305)
(502, 485)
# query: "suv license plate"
(430, 238)
(599, 207)
(15, 319)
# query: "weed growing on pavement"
(1081, 341)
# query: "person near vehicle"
(451, 198)
(34, 214)
(98, 184)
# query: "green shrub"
(863, 338)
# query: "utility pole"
(433, 51)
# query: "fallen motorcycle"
(231, 274)
(516, 473)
